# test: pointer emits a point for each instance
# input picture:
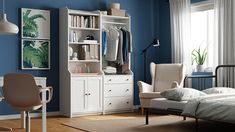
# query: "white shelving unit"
(84, 88)
(81, 76)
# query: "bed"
(215, 106)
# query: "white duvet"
(216, 107)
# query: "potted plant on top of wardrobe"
(199, 57)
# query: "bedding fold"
(216, 107)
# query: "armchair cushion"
(180, 94)
(150, 95)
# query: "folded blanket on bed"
(217, 107)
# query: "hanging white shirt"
(112, 45)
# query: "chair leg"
(196, 124)
(184, 118)
(3, 129)
(146, 116)
(23, 120)
(27, 122)
(142, 110)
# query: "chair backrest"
(163, 75)
(20, 91)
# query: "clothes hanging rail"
(116, 23)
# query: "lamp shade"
(7, 28)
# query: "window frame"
(203, 6)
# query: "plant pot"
(200, 68)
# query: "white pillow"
(180, 94)
(219, 90)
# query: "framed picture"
(35, 54)
(35, 23)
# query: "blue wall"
(165, 32)
(144, 29)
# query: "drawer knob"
(110, 79)
(89, 93)
(86, 94)
(127, 102)
(127, 89)
(110, 90)
(127, 79)
(110, 103)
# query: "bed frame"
(224, 76)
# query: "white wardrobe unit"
(84, 87)
(118, 88)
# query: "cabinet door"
(78, 86)
(94, 94)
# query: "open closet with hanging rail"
(116, 63)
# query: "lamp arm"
(145, 49)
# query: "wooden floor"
(55, 124)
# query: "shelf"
(83, 13)
(83, 43)
(84, 74)
(128, 74)
(117, 23)
(114, 17)
(81, 61)
(84, 28)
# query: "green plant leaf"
(37, 16)
(35, 56)
(198, 56)
(30, 27)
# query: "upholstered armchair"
(164, 76)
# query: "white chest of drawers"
(118, 93)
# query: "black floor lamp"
(155, 43)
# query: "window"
(202, 29)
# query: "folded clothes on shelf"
(110, 70)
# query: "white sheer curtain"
(224, 39)
(225, 32)
(180, 31)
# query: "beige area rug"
(136, 123)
